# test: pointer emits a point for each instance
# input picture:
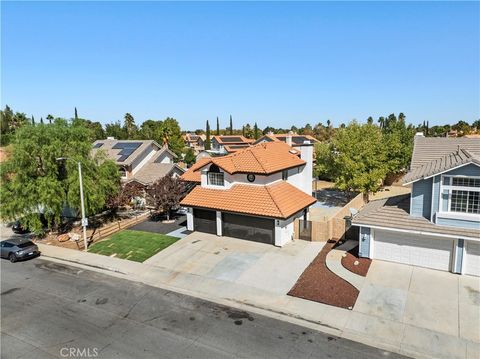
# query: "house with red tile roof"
(229, 144)
(255, 193)
(291, 139)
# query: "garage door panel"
(423, 251)
(472, 258)
(249, 228)
(205, 221)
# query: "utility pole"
(84, 220)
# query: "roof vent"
(419, 134)
(111, 138)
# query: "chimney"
(111, 138)
(288, 139)
(419, 134)
(306, 154)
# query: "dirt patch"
(352, 257)
(317, 283)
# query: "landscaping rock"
(63, 237)
(356, 263)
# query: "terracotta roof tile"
(193, 173)
(263, 158)
(278, 200)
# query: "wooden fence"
(331, 228)
(116, 226)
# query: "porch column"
(458, 256)
(190, 219)
(219, 223)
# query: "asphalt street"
(51, 310)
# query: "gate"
(305, 230)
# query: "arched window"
(214, 168)
(214, 176)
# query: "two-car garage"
(413, 249)
(257, 229)
(426, 251)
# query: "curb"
(248, 306)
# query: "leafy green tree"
(151, 130)
(476, 125)
(116, 131)
(398, 140)
(269, 129)
(171, 135)
(189, 158)
(207, 139)
(324, 167)
(359, 161)
(462, 127)
(231, 125)
(10, 122)
(130, 126)
(34, 180)
(95, 128)
(248, 131)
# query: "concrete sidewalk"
(365, 328)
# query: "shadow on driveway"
(155, 225)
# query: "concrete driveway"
(418, 305)
(239, 261)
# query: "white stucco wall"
(284, 230)
(307, 156)
(190, 219)
(219, 223)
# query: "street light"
(84, 219)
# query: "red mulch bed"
(363, 263)
(317, 283)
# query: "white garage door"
(472, 258)
(423, 251)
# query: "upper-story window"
(285, 175)
(464, 194)
(214, 176)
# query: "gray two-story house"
(437, 225)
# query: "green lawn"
(133, 245)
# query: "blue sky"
(279, 64)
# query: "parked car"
(19, 229)
(181, 211)
(18, 248)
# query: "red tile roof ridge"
(267, 188)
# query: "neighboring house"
(290, 138)
(195, 142)
(253, 194)
(229, 144)
(143, 161)
(438, 224)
